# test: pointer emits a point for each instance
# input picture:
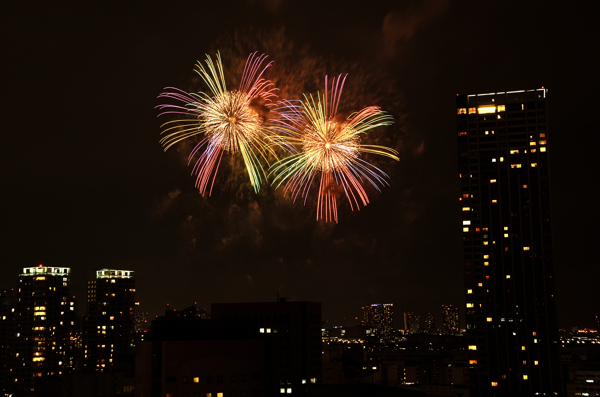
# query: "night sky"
(86, 184)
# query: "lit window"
(532, 143)
(289, 390)
(462, 133)
(489, 319)
(525, 248)
(492, 181)
(469, 291)
(196, 379)
(469, 305)
(480, 284)
(535, 341)
(461, 111)
(508, 276)
(494, 201)
(219, 394)
(472, 110)
(533, 150)
(493, 160)
(534, 333)
(466, 208)
(536, 362)
(486, 109)
(262, 330)
(494, 383)
(522, 347)
(524, 362)
(466, 222)
(542, 149)
(501, 159)
(282, 390)
(542, 134)
(486, 256)
(514, 151)
(486, 263)
(472, 361)
(524, 186)
(533, 165)
(515, 166)
(472, 347)
(501, 108)
(524, 377)
(465, 229)
(485, 242)
(505, 235)
(542, 142)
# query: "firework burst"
(330, 151)
(234, 121)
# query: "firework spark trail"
(331, 151)
(229, 120)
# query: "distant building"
(430, 324)
(511, 325)
(41, 318)
(450, 320)
(411, 323)
(378, 320)
(294, 329)
(108, 329)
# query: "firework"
(330, 151)
(230, 121)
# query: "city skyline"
(90, 188)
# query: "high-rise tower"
(505, 202)
(450, 320)
(378, 319)
(43, 321)
(109, 328)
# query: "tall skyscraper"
(109, 327)
(378, 319)
(450, 320)
(430, 323)
(511, 322)
(411, 323)
(42, 321)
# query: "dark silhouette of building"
(378, 320)
(511, 322)
(294, 329)
(41, 320)
(450, 324)
(108, 332)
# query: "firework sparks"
(330, 151)
(232, 121)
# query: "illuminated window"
(536, 362)
(486, 263)
(487, 277)
(505, 235)
(469, 291)
(524, 362)
(524, 186)
(542, 134)
(472, 110)
(542, 142)
(472, 347)
(466, 222)
(501, 159)
(461, 111)
(508, 276)
(485, 242)
(534, 333)
(533, 165)
(501, 108)
(462, 133)
(472, 361)
(489, 319)
(494, 383)
(494, 201)
(289, 390)
(466, 208)
(486, 109)
(219, 394)
(533, 150)
(532, 143)
(486, 256)
(465, 229)
(542, 149)
(492, 181)
(522, 347)
(262, 330)
(196, 379)
(525, 248)
(469, 305)
(535, 341)
(514, 151)
(503, 376)
(515, 166)
(524, 377)
(480, 284)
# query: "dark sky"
(85, 183)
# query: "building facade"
(109, 326)
(378, 320)
(450, 324)
(430, 324)
(511, 322)
(412, 323)
(41, 322)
